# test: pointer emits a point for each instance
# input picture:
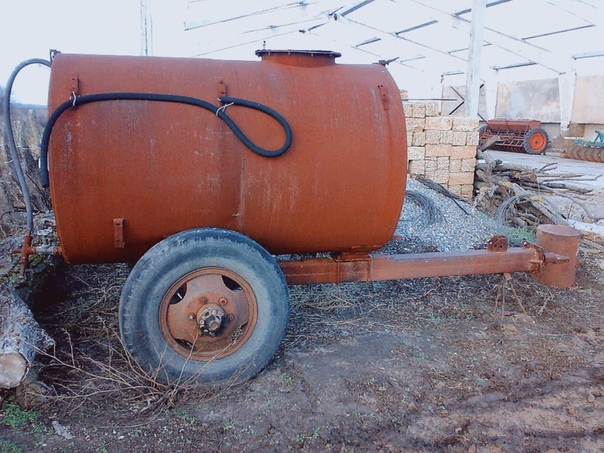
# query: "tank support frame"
(552, 261)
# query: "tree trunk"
(20, 338)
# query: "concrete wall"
(540, 100)
(442, 148)
(532, 99)
(588, 107)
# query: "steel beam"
(394, 267)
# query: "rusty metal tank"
(125, 174)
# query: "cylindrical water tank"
(125, 174)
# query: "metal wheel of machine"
(535, 141)
(205, 305)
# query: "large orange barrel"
(125, 174)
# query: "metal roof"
(426, 40)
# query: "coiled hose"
(220, 112)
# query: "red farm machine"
(521, 136)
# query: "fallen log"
(489, 142)
(500, 166)
(596, 231)
(20, 337)
(560, 185)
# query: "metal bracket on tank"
(118, 233)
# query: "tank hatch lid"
(307, 58)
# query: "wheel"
(205, 305)
(482, 129)
(535, 141)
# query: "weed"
(247, 430)
(287, 378)
(15, 417)
(519, 235)
(301, 438)
(38, 428)
(228, 425)
(8, 446)
(183, 414)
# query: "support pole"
(146, 29)
(566, 85)
(474, 58)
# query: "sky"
(30, 28)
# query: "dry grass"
(91, 365)
(323, 314)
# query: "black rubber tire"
(481, 130)
(533, 146)
(177, 256)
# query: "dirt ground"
(407, 366)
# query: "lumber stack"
(520, 195)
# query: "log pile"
(519, 196)
(21, 337)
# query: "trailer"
(223, 182)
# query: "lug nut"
(191, 316)
(222, 301)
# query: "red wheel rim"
(214, 292)
(537, 141)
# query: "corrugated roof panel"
(524, 19)
(432, 39)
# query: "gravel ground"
(431, 221)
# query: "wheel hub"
(210, 319)
(208, 313)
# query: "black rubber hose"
(13, 156)
(218, 111)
